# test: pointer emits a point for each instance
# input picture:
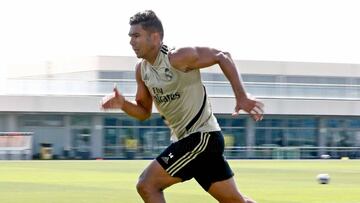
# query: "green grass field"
(267, 181)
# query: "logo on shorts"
(166, 158)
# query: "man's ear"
(155, 36)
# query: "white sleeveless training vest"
(180, 97)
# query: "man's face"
(140, 41)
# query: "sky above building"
(276, 30)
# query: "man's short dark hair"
(149, 22)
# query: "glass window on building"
(316, 80)
(354, 123)
(301, 137)
(333, 137)
(81, 142)
(311, 123)
(53, 120)
(353, 138)
(278, 138)
(260, 78)
(146, 142)
(42, 120)
(262, 124)
(234, 137)
(147, 122)
(111, 142)
(342, 138)
(271, 123)
(334, 123)
(293, 123)
(269, 132)
(115, 141)
(287, 131)
(80, 120)
(226, 120)
(111, 138)
(2, 123)
(110, 122)
(275, 123)
(302, 123)
(342, 132)
(154, 120)
(213, 77)
(238, 122)
(127, 121)
(222, 121)
(144, 138)
(120, 120)
(260, 137)
(153, 140)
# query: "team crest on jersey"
(168, 74)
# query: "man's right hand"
(113, 101)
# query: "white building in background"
(307, 105)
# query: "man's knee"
(146, 188)
(142, 187)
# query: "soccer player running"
(171, 79)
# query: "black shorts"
(199, 156)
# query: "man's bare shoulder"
(190, 58)
(181, 52)
(179, 57)
(138, 69)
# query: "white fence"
(15, 145)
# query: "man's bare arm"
(190, 58)
(143, 107)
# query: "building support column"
(67, 137)
(322, 137)
(11, 123)
(250, 138)
(96, 137)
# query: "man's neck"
(153, 55)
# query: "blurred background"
(59, 58)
